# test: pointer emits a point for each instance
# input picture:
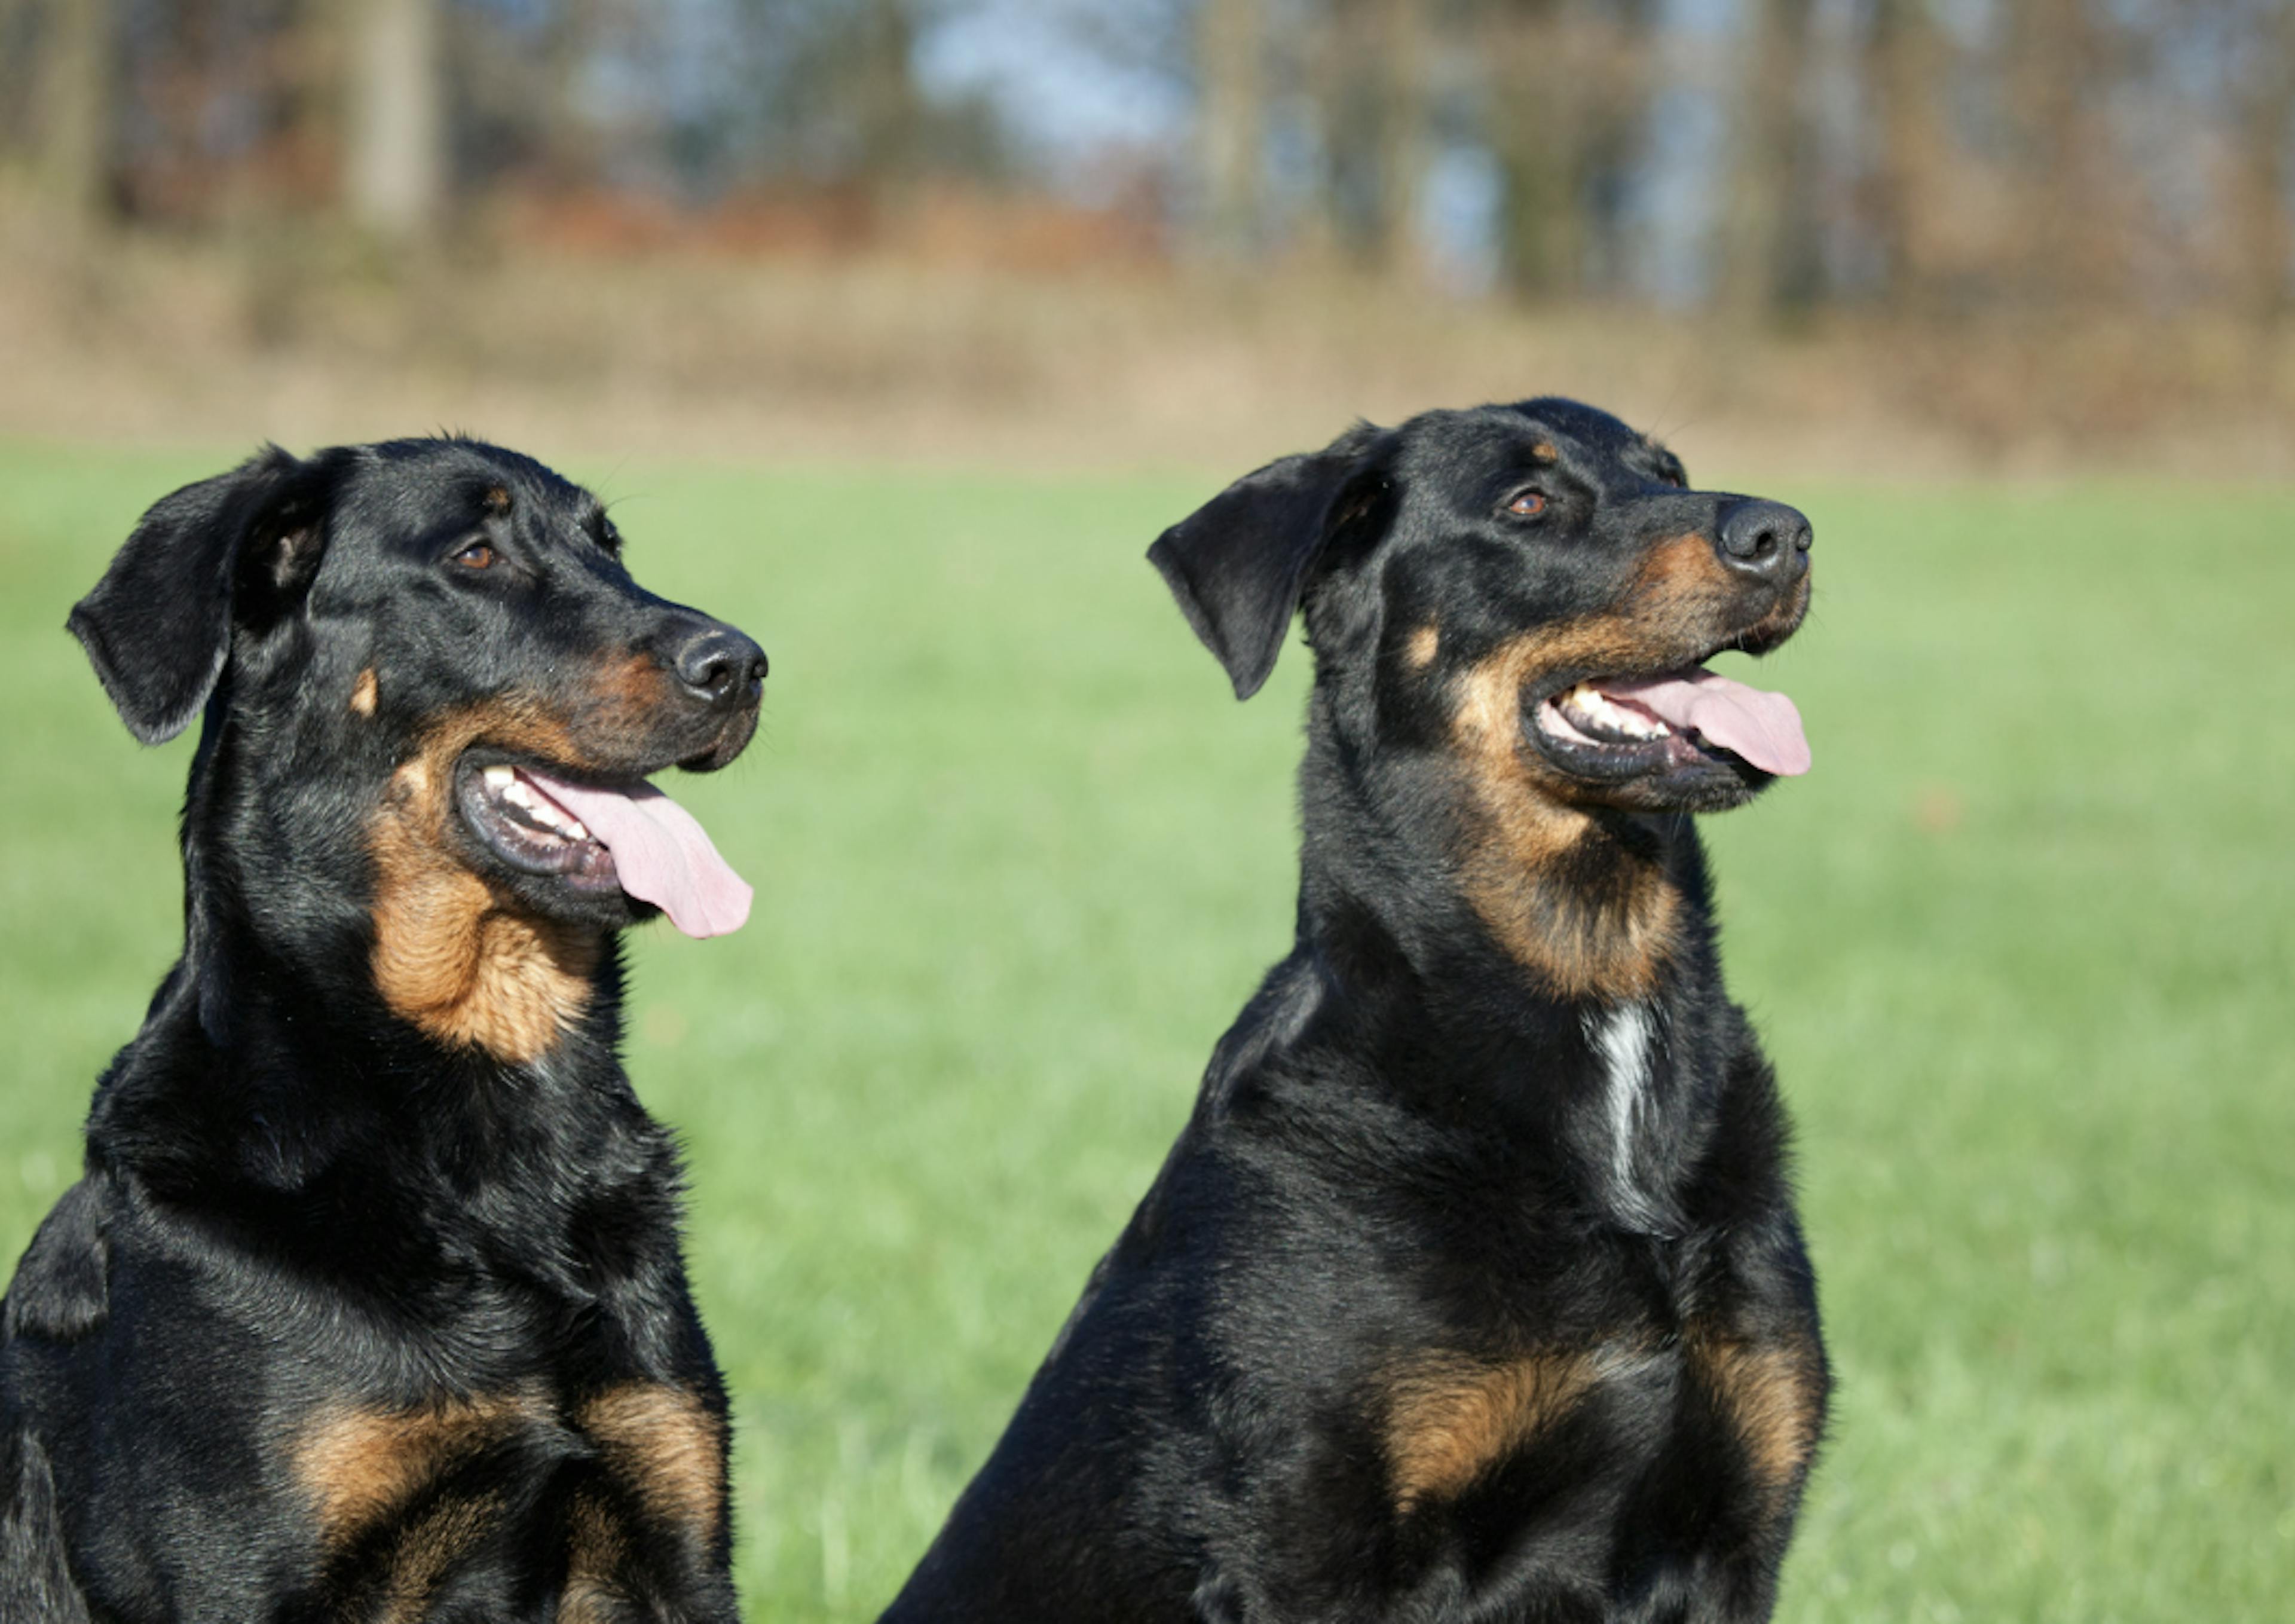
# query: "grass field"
(2022, 947)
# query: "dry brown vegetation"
(1912, 237)
(946, 357)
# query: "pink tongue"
(662, 855)
(1764, 728)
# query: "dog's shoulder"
(35, 1582)
(62, 1288)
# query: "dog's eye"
(1528, 504)
(478, 555)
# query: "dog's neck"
(1565, 905)
(1559, 993)
(384, 935)
(274, 1046)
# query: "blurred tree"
(888, 107)
(1899, 75)
(1566, 106)
(822, 96)
(1232, 123)
(2052, 154)
(75, 110)
(2263, 190)
(396, 171)
(567, 152)
(1368, 86)
(1772, 258)
(2073, 193)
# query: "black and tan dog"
(371, 1304)
(1474, 1290)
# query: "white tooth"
(518, 794)
(553, 816)
(498, 778)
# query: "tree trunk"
(1612, 70)
(1532, 125)
(1771, 258)
(76, 96)
(1230, 76)
(891, 121)
(569, 148)
(2266, 229)
(1397, 80)
(396, 169)
(1901, 73)
(2067, 251)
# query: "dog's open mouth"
(600, 837)
(1617, 726)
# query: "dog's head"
(433, 696)
(1526, 595)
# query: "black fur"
(349, 1314)
(1405, 1330)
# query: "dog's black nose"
(719, 665)
(1766, 540)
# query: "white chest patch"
(1624, 1042)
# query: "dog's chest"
(1628, 1051)
(413, 1500)
(1710, 1405)
(1636, 1345)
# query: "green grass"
(2022, 946)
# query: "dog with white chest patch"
(1474, 1289)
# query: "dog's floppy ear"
(1238, 564)
(157, 626)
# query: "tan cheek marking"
(621, 705)
(364, 692)
(357, 1463)
(453, 956)
(1418, 652)
(1772, 1396)
(1450, 1420)
(668, 1446)
(1582, 939)
(1682, 590)
(1578, 941)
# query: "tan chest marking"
(596, 1547)
(358, 1464)
(360, 1467)
(452, 955)
(663, 1443)
(1772, 1396)
(1451, 1420)
(427, 1551)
